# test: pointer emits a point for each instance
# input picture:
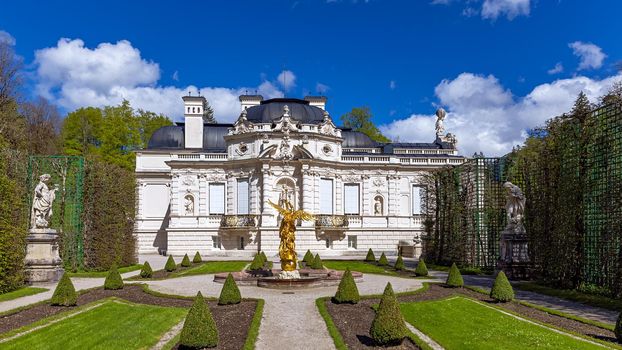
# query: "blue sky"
(499, 67)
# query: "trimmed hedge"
(454, 279)
(197, 258)
(388, 327)
(257, 263)
(170, 264)
(308, 258)
(317, 263)
(370, 256)
(146, 271)
(230, 293)
(65, 293)
(383, 261)
(264, 257)
(185, 262)
(113, 279)
(199, 327)
(618, 329)
(422, 269)
(502, 289)
(347, 292)
(399, 263)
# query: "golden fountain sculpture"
(287, 233)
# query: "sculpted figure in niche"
(189, 205)
(42, 203)
(378, 206)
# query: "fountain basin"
(275, 282)
(309, 278)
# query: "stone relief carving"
(242, 148)
(188, 181)
(351, 178)
(42, 203)
(285, 150)
(242, 125)
(286, 124)
(378, 182)
(327, 127)
(327, 149)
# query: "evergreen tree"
(347, 292)
(502, 289)
(230, 293)
(170, 264)
(454, 279)
(399, 263)
(113, 279)
(199, 329)
(185, 262)
(370, 256)
(383, 261)
(208, 113)
(422, 269)
(197, 258)
(146, 271)
(65, 293)
(388, 327)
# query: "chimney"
(193, 115)
(317, 101)
(247, 101)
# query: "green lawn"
(360, 266)
(113, 325)
(212, 267)
(574, 295)
(22, 292)
(460, 323)
(102, 274)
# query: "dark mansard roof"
(270, 110)
(172, 137)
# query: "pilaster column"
(254, 194)
(268, 213)
(307, 195)
(365, 195)
(203, 199)
(175, 196)
(338, 205)
(393, 206)
(230, 193)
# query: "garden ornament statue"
(42, 203)
(515, 205)
(440, 116)
(513, 245)
(287, 234)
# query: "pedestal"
(514, 253)
(43, 264)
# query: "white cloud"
(321, 88)
(392, 85)
(590, 55)
(492, 9)
(6, 38)
(175, 76)
(486, 117)
(75, 76)
(557, 69)
(287, 79)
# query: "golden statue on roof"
(287, 233)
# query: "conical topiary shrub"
(422, 269)
(113, 280)
(399, 263)
(146, 271)
(197, 258)
(383, 261)
(185, 262)
(199, 327)
(618, 329)
(230, 293)
(264, 257)
(308, 258)
(257, 263)
(65, 293)
(454, 279)
(317, 263)
(502, 289)
(170, 264)
(347, 292)
(370, 256)
(388, 327)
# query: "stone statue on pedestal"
(513, 250)
(42, 203)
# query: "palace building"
(204, 187)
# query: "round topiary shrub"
(618, 329)
(65, 293)
(347, 292)
(197, 258)
(502, 289)
(454, 279)
(185, 262)
(230, 293)
(317, 263)
(370, 256)
(113, 280)
(388, 327)
(383, 261)
(199, 327)
(146, 271)
(170, 264)
(422, 269)
(308, 258)
(399, 263)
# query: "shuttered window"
(216, 198)
(243, 196)
(326, 196)
(351, 199)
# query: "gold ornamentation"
(287, 233)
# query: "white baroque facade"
(204, 187)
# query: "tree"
(317, 263)
(65, 293)
(399, 263)
(199, 329)
(230, 293)
(308, 258)
(422, 269)
(43, 125)
(197, 258)
(148, 123)
(208, 113)
(502, 289)
(347, 292)
(383, 261)
(146, 271)
(370, 256)
(388, 326)
(454, 278)
(170, 265)
(81, 131)
(185, 262)
(359, 119)
(113, 279)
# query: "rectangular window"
(351, 199)
(241, 243)
(216, 198)
(243, 196)
(417, 193)
(352, 242)
(326, 196)
(216, 242)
